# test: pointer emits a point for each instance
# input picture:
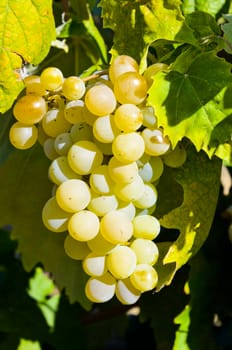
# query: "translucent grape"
(75, 249)
(34, 86)
(83, 225)
(128, 147)
(175, 158)
(59, 171)
(100, 180)
(149, 118)
(102, 204)
(130, 191)
(100, 100)
(73, 88)
(62, 143)
(74, 111)
(144, 277)
(94, 264)
(122, 64)
(128, 117)
(73, 195)
(105, 129)
(146, 251)
(30, 109)
(81, 131)
(146, 226)
(148, 198)
(100, 289)
(49, 149)
(122, 172)
(130, 87)
(23, 136)
(116, 227)
(152, 170)
(152, 70)
(54, 218)
(126, 293)
(121, 262)
(54, 123)
(51, 78)
(156, 143)
(84, 157)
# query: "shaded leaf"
(227, 36)
(212, 7)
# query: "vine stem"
(95, 75)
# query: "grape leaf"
(227, 36)
(199, 178)
(212, 7)
(191, 100)
(143, 23)
(183, 320)
(24, 190)
(26, 33)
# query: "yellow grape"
(30, 109)
(23, 136)
(73, 88)
(51, 78)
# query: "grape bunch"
(107, 155)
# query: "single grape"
(30, 109)
(100, 289)
(74, 249)
(100, 180)
(148, 198)
(23, 136)
(126, 293)
(83, 225)
(122, 64)
(100, 100)
(105, 129)
(146, 251)
(128, 117)
(175, 158)
(116, 227)
(102, 204)
(73, 195)
(94, 264)
(81, 131)
(121, 262)
(73, 88)
(34, 86)
(130, 87)
(130, 191)
(54, 218)
(54, 122)
(62, 143)
(122, 172)
(74, 111)
(156, 143)
(128, 147)
(149, 117)
(51, 78)
(59, 171)
(152, 170)
(84, 157)
(145, 226)
(144, 277)
(49, 149)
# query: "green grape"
(121, 262)
(99, 245)
(148, 198)
(126, 293)
(49, 149)
(100, 100)
(152, 70)
(128, 117)
(81, 131)
(130, 87)
(144, 277)
(156, 143)
(146, 251)
(149, 118)
(34, 86)
(128, 147)
(73, 195)
(102, 204)
(152, 170)
(122, 172)
(62, 143)
(130, 191)
(100, 180)
(84, 157)
(145, 226)
(51, 78)
(73, 88)
(23, 136)
(59, 171)
(54, 218)
(94, 264)
(83, 225)
(74, 249)
(54, 123)
(122, 64)
(30, 109)
(175, 158)
(74, 111)
(104, 129)
(100, 289)
(116, 227)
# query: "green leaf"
(183, 320)
(227, 36)
(28, 345)
(212, 7)
(24, 190)
(143, 23)
(199, 178)
(191, 100)
(26, 33)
